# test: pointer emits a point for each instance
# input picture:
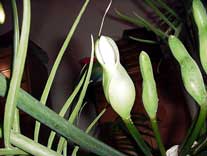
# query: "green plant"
(191, 75)
(15, 142)
(118, 89)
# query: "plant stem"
(137, 137)
(151, 27)
(81, 97)
(143, 40)
(160, 14)
(65, 108)
(17, 75)
(88, 129)
(16, 28)
(16, 124)
(58, 124)
(56, 64)
(195, 132)
(9, 151)
(30, 146)
(158, 137)
(169, 9)
(199, 147)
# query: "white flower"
(118, 87)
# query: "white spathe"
(118, 87)
(173, 151)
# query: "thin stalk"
(169, 9)
(160, 14)
(157, 136)
(16, 124)
(65, 150)
(188, 133)
(30, 146)
(33, 107)
(65, 108)
(141, 22)
(143, 40)
(130, 19)
(195, 132)
(137, 137)
(9, 151)
(157, 31)
(81, 97)
(88, 129)
(179, 29)
(200, 146)
(104, 16)
(16, 27)
(1, 132)
(56, 64)
(17, 75)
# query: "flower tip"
(143, 52)
(171, 37)
(144, 57)
(172, 41)
(106, 51)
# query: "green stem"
(17, 75)
(56, 64)
(160, 14)
(88, 129)
(58, 124)
(143, 40)
(81, 97)
(65, 150)
(65, 108)
(141, 22)
(1, 131)
(195, 132)
(16, 27)
(137, 137)
(30, 146)
(16, 124)
(158, 137)
(169, 9)
(9, 151)
(151, 27)
(200, 146)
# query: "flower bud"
(191, 75)
(200, 17)
(199, 13)
(2, 14)
(118, 87)
(149, 91)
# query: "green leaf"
(143, 40)
(58, 124)
(92, 124)
(152, 4)
(130, 19)
(168, 8)
(17, 75)
(56, 64)
(65, 107)
(81, 97)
